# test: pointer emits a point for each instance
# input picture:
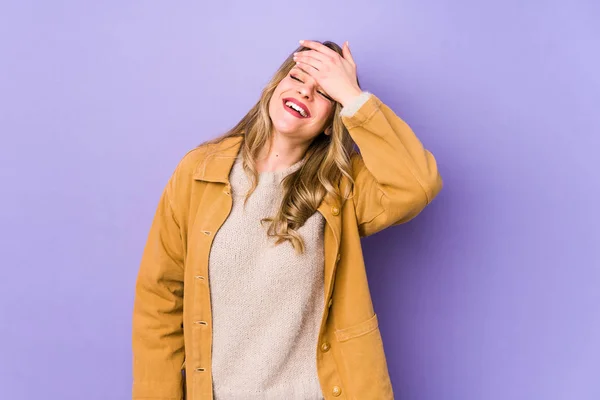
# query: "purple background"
(492, 293)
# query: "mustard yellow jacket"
(395, 178)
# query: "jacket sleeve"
(395, 177)
(157, 330)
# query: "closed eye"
(321, 93)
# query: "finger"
(317, 64)
(347, 53)
(319, 47)
(314, 54)
(307, 68)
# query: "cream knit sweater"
(266, 301)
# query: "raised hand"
(335, 74)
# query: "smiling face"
(299, 108)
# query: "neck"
(282, 153)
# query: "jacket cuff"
(362, 116)
(355, 104)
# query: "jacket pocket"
(361, 328)
(363, 355)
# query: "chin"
(285, 128)
(284, 124)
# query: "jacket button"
(338, 257)
(336, 391)
(325, 347)
(335, 210)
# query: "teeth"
(296, 107)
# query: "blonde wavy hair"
(327, 159)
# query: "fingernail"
(301, 41)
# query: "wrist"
(349, 96)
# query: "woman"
(260, 228)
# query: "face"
(299, 108)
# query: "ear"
(328, 130)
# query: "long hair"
(326, 160)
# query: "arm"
(395, 176)
(157, 333)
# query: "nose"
(305, 91)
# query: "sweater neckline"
(278, 174)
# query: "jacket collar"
(221, 161)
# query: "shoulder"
(180, 184)
(195, 157)
(356, 163)
(189, 162)
(194, 162)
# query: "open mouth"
(296, 108)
